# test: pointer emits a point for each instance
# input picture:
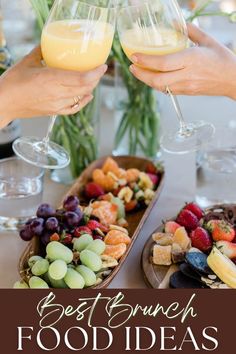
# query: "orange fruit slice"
(132, 175)
(110, 165)
(115, 251)
(114, 237)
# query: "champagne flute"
(158, 27)
(77, 36)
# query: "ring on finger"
(77, 100)
(167, 90)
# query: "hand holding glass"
(77, 36)
(157, 27)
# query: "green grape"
(57, 270)
(40, 267)
(82, 242)
(56, 284)
(33, 260)
(74, 280)
(97, 246)
(46, 277)
(37, 283)
(71, 266)
(21, 284)
(91, 260)
(56, 250)
(88, 275)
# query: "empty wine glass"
(77, 36)
(158, 27)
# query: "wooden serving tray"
(136, 220)
(158, 277)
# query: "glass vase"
(78, 134)
(137, 118)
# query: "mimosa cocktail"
(152, 41)
(76, 44)
(77, 36)
(157, 28)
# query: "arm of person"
(209, 68)
(29, 89)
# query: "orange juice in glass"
(76, 44)
(152, 41)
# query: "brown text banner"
(117, 321)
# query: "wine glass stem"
(183, 126)
(50, 128)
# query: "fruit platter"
(84, 242)
(196, 249)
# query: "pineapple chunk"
(162, 255)
(182, 239)
(126, 194)
(163, 239)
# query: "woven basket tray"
(135, 220)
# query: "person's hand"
(206, 69)
(30, 89)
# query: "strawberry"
(93, 190)
(223, 231)
(82, 230)
(171, 227)
(67, 239)
(187, 219)
(195, 209)
(227, 248)
(55, 237)
(94, 225)
(154, 178)
(98, 237)
(151, 168)
(131, 205)
(201, 239)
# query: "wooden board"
(157, 277)
(136, 220)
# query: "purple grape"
(72, 219)
(45, 211)
(71, 203)
(25, 233)
(28, 222)
(45, 238)
(37, 226)
(60, 215)
(52, 224)
(80, 213)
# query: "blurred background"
(21, 30)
